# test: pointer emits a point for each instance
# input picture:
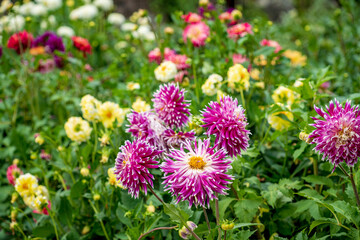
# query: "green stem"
(242, 97)
(180, 217)
(53, 221)
(101, 222)
(266, 134)
(195, 78)
(155, 229)
(217, 215)
(21, 231)
(207, 219)
(315, 165)
(354, 187)
(95, 144)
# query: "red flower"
(82, 44)
(20, 41)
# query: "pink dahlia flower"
(180, 76)
(271, 43)
(179, 60)
(227, 121)
(175, 139)
(132, 166)
(239, 59)
(337, 137)
(197, 33)
(196, 172)
(239, 30)
(146, 126)
(170, 105)
(191, 18)
(12, 173)
(155, 55)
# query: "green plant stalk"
(316, 172)
(95, 144)
(21, 231)
(53, 221)
(217, 215)
(181, 219)
(207, 219)
(242, 97)
(101, 222)
(351, 176)
(155, 229)
(195, 78)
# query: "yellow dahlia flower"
(165, 71)
(90, 107)
(278, 123)
(26, 185)
(112, 179)
(211, 85)
(140, 106)
(77, 129)
(238, 77)
(284, 95)
(108, 112)
(296, 58)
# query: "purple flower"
(175, 139)
(132, 166)
(44, 155)
(146, 126)
(197, 173)
(1, 51)
(227, 121)
(50, 41)
(337, 137)
(170, 105)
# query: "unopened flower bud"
(236, 14)
(16, 161)
(169, 30)
(150, 208)
(85, 230)
(14, 197)
(39, 139)
(184, 233)
(13, 215)
(96, 197)
(84, 172)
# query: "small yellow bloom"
(165, 71)
(77, 129)
(284, 95)
(150, 208)
(85, 230)
(26, 185)
(296, 58)
(203, 3)
(16, 161)
(39, 139)
(262, 61)
(70, 3)
(169, 30)
(236, 14)
(108, 113)
(112, 179)
(140, 106)
(84, 172)
(104, 140)
(238, 78)
(37, 51)
(212, 84)
(90, 107)
(132, 86)
(91, 24)
(260, 85)
(278, 123)
(14, 197)
(255, 74)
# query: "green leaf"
(244, 234)
(321, 221)
(223, 205)
(319, 180)
(77, 189)
(299, 151)
(43, 231)
(246, 209)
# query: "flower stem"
(180, 217)
(354, 187)
(53, 221)
(95, 144)
(217, 214)
(207, 219)
(225, 235)
(242, 98)
(101, 222)
(155, 229)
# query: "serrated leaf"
(299, 151)
(321, 180)
(223, 205)
(246, 209)
(321, 221)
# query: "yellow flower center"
(109, 114)
(197, 162)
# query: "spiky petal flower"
(227, 121)
(146, 126)
(132, 166)
(170, 105)
(337, 137)
(196, 172)
(175, 139)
